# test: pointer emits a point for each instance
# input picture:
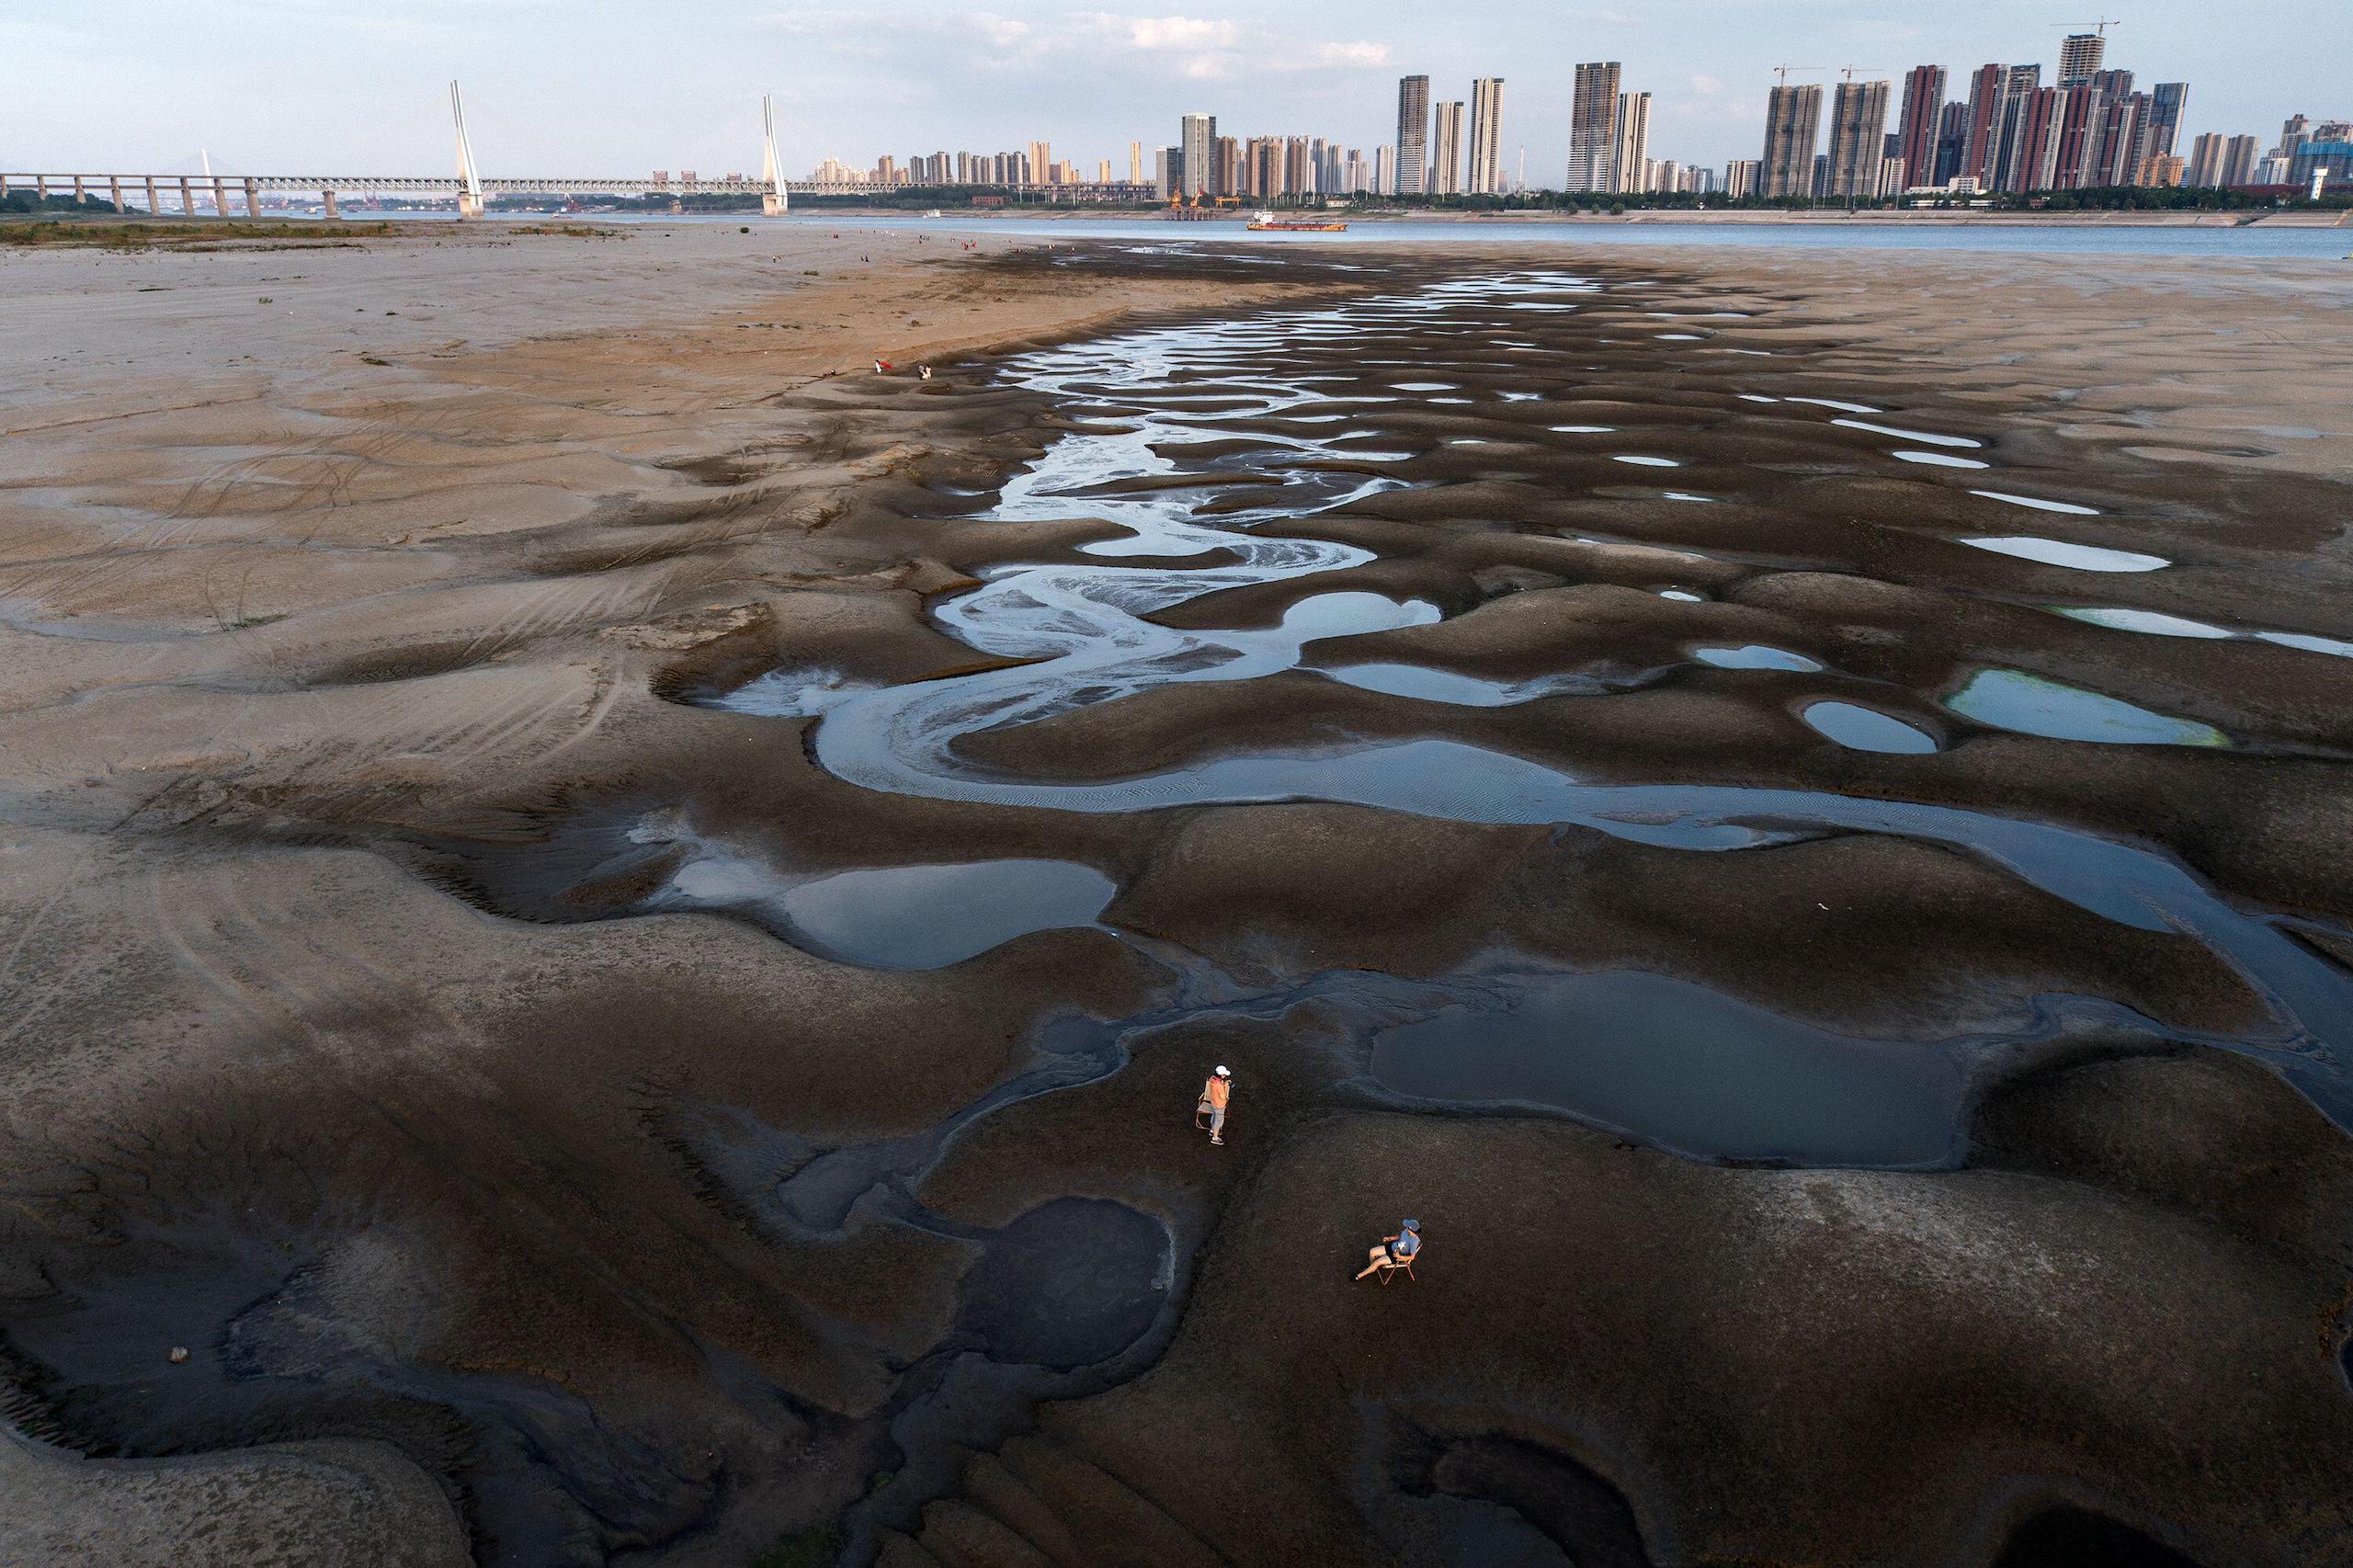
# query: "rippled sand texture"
(646, 974)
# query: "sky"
(603, 87)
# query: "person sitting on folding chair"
(1396, 1251)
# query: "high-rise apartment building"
(1135, 163)
(1412, 134)
(2167, 102)
(2083, 122)
(1985, 85)
(2326, 155)
(1486, 136)
(1792, 125)
(1742, 176)
(1858, 137)
(2239, 156)
(1593, 126)
(1385, 170)
(1299, 166)
(1631, 144)
(2080, 55)
(1952, 144)
(2204, 166)
(1915, 124)
(2121, 146)
(2015, 147)
(1197, 134)
(1269, 174)
(2034, 163)
(1444, 175)
(1042, 162)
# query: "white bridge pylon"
(470, 197)
(773, 200)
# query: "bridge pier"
(114, 185)
(253, 200)
(187, 202)
(469, 204)
(40, 189)
(78, 195)
(152, 208)
(334, 212)
(772, 204)
(219, 196)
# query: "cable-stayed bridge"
(191, 193)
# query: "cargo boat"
(1269, 222)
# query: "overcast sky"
(561, 87)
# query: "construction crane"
(2100, 27)
(1849, 71)
(1783, 70)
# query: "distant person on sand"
(1214, 1096)
(881, 367)
(924, 371)
(1395, 1252)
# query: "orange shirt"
(1216, 1091)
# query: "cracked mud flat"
(660, 1013)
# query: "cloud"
(813, 19)
(1195, 48)
(1187, 33)
(1004, 32)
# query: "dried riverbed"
(1808, 855)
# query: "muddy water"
(1088, 633)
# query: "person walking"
(1215, 1095)
(1397, 1251)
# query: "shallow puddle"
(2060, 552)
(1427, 685)
(1685, 1067)
(2031, 705)
(904, 916)
(1755, 656)
(2068, 508)
(1866, 729)
(1907, 435)
(2119, 618)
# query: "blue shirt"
(1406, 1244)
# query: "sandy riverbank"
(345, 593)
(1946, 216)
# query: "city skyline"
(568, 84)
